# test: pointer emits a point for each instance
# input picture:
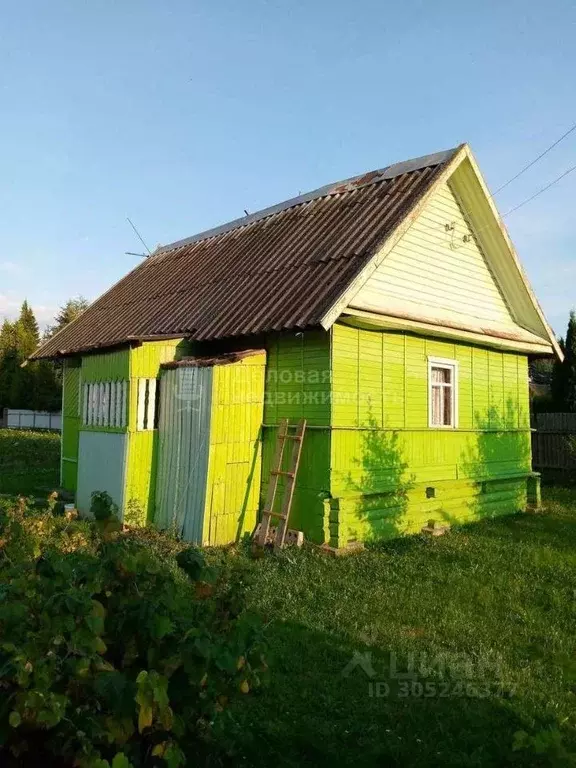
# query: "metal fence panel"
(25, 419)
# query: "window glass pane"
(447, 393)
(441, 375)
(437, 405)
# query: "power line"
(551, 184)
(533, 162)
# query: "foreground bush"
(115, 649)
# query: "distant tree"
(541, 370)
(67, 314)
(557, 388)
(569, 365)
(35, 385)
(47, 394)
(27, 327)
(9, 363)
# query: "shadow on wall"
(250, 492)
(489, 478)
(378, 511)
(496, 461)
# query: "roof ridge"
(338, 187)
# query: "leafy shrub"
(102, 507)
(110, 653)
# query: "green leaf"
(144, 718)
(521, 741)
(162, 626)
(121, 761)
(174, 756)
(142, 676)
(14, 719)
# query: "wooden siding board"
(235, 450)
(142, 449)
(107, 366)
(434, 273)
(298, 385)
(371, 463)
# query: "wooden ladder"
(275, 474)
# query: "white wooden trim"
(92, 403)
(99, 409)
(106, 404)
(452, 365)
(499, 223)
(496, 225)
(85, 403)
(362, 319)
(124, 420)
(117, 403)
(112, 410)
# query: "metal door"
(183, 450)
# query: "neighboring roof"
(281, 268)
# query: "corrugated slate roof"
(280, 268)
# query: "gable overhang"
(466, 181)
(527, 344)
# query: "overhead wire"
(533, 162)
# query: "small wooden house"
(390, 310)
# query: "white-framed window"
(105, 404)
(148, 404)
(442, 393)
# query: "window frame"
(148, 404)
(451, 365)
(104, 405)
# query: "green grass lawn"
(482, 620)
(496, 600)
(29, 462)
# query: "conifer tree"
(557, 389)
(569, 366)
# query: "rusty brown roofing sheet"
(281, 268)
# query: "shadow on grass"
(536, 530)
(320, 711)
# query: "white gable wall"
(433, 275)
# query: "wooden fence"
(550, 441)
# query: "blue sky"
(181, 114)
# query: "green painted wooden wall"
(298, 385)
(371, 467)
(128, 364)
(390, 472)
(235, 450)
(141, 461)
(106, 366)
